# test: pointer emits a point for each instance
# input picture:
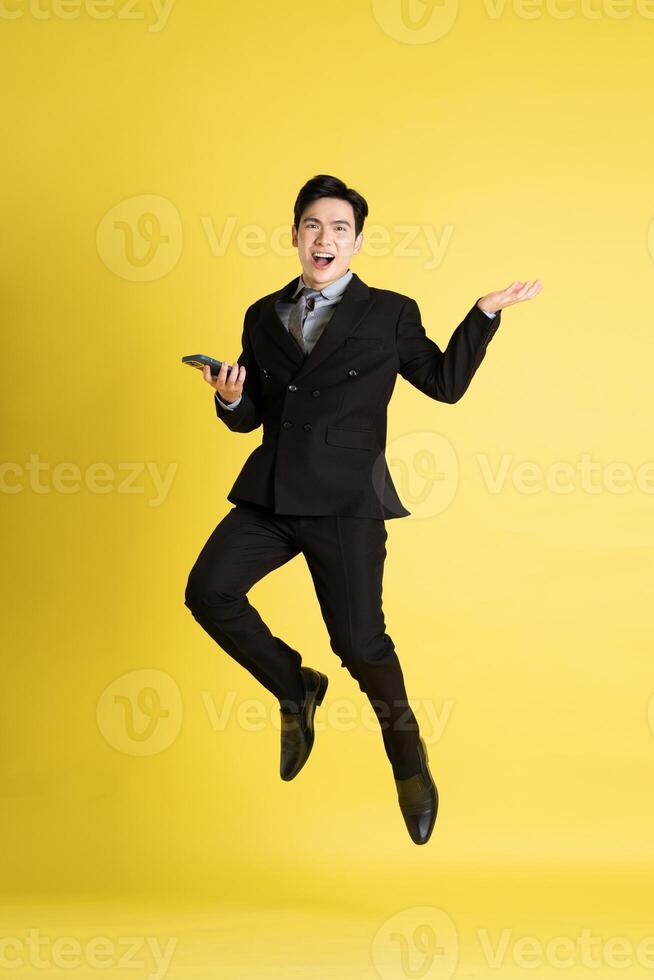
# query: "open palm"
(515, 293)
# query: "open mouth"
(322, 259)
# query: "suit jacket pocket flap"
(350, 438)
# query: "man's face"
(326, 228)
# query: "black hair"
(325, 186)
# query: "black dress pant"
(345, 556)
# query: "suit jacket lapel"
(275, 329)
(354, 304)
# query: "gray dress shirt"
(317, 319)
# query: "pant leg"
(248, 543)
(345, 556)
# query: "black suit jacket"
(324, 415)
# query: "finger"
(220, 379)
(237, 385)
(509, 292)
(231, 379)
(536, 288)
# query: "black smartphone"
(199, 360)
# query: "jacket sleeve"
(246, 415)
(443, 375)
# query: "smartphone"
(199, 360)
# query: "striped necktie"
(304, 303)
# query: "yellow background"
(521, 138)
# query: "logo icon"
(425, 471)
(415, 21)
(140, 713)
(140, 239)
(420, 943)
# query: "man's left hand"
(515, 293)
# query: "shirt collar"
(333, 291)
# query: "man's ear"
(358, 241)
(294, 236)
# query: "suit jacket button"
(307, 427)
(292, 387)
(286, 424)
(315, 393)
(353, 373)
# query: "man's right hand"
(229, 385)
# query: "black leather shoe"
(418, 799)
(297, 726)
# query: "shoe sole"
(322, 689)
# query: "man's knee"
(203, 592)
(363, 650)
(199, 593)
(378, 649)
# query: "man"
(318, 365)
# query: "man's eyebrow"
(338, 221)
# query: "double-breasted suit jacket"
(324, 414)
